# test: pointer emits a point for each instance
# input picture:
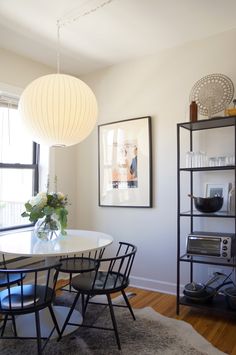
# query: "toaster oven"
(221, 245)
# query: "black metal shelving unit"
(218, 303)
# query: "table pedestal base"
(25, 324)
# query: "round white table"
(25, 243)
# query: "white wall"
(19, 71)
(63, 165)
(158, 86)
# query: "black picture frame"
(125, 163)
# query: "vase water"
(48, 228)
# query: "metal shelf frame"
(217, 122)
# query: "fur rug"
(150, 334)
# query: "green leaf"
(62, 215)
(28, 207)
(48, 210)
(36, 213)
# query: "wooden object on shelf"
(230, 112)
(193, 111)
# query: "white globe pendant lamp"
(58, 110)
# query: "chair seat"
(29, 297)
(77, 265)
(105, 282)
(110, 275)
(13, 278)
(24, 297)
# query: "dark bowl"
(208, 204)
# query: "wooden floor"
(217, 329)
(220, 331)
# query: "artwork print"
(125, 163)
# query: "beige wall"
(158, 86)
(63, 164)
(19, 71)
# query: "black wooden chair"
(14, 277)
(110, 275)
(79, 264)
(31, 295)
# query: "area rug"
(150, 334)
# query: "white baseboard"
(154, 285)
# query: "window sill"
(17, 230)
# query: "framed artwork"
(125, 163)
(221, 190)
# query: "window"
(19, 159)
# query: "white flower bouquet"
(48, 205)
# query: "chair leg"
(113, 321)
(83, 305)
(4, 325)
(70, 287)
(14, 325)
(128, 304)
(54, 319)
(69, 315)
(38, 332)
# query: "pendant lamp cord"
(62, 23)
(58, 45)
(85, 13)
(8, 122)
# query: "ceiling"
(118, 31)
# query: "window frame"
(33, 166)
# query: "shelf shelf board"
(210, 168)
(223, 214)
(215, 122)
(207, 260)
(218, 304)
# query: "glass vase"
(48, 228)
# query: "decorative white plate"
(212, 93)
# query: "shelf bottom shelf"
(217, 304)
